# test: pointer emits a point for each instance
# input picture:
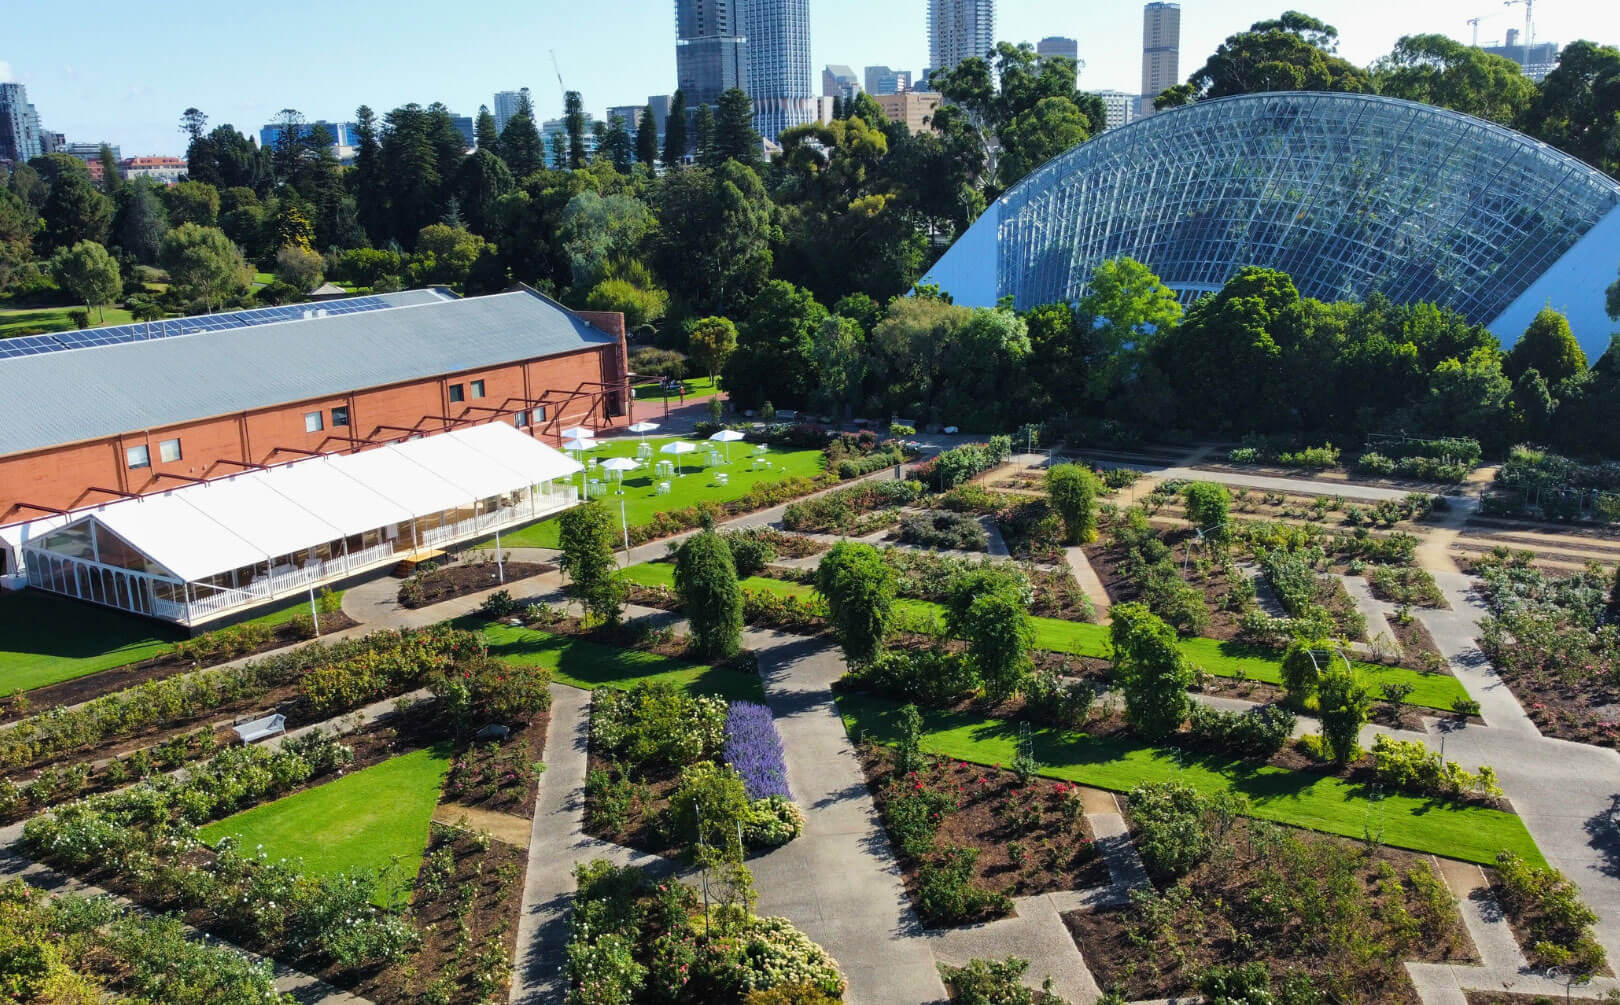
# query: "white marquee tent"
(193, 553)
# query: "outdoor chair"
(663, 488)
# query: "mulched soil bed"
(470, 577)
(82, 689)
(995, 814)
(1414, 640)
(476, 780)
(1106, 561)
(486, 884)
(1583, 710)
(1219, 927)
(641, 830)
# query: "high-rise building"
(631, 114)
(1057, 45)
(507, 104)
(958, 29)
(345, 137)
(20, 134)
(559, 127)
(1161, 52)
(779, 79)
(711, 49)
(1537, 60)
(839, 81)
(882, 80)
(1119, 107)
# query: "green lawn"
(56, 319)
(696, 388)
(584, 664)
(263, 278)
(697, 484)
(1222, 659)
(45, 638)
(1301, 799)
(366, 819)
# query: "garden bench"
(258, 729)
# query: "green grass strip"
(1297, 798)
(691, 484)
(590, 665)
(363, 820)
(1078, 638)
(47, 639)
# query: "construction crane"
(1529, 26)
(563, 87)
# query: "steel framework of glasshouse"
(1350, 194)
(204, 551)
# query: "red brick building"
(89, 424)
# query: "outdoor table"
(666, 468)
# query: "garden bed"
(1026, 837)
(462, 578)
(503, 776)
(1342, 914)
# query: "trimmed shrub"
(859, 588)
(1151, 670)
(944, 530)
(706, 581)
(1255, 732)
(1072, 489)
(586, 538)
(1178, 826)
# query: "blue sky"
(124, 72)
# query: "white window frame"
(314, 421)
(163, 450)
(141, 451)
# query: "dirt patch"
(500, 777)
(1030, 837)
(1345, 915)
(461, 579)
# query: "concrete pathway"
(557, 843)
(1372, 609)
(1090, 582)
(838, 882)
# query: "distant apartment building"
(1057, 45)
(1119, 106)
(914, 108)
(711, 49)
(1537, 60)
(839, 81)
(1161, 52)
(465, 126)
(345, 137)
(882, 80)
(559, 128)
(507, 104)
(21, 138)
(631, 114)
(958, 29)
(163, 170)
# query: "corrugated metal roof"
(66, 397)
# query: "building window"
(340, 416)
(138, 457)
(477, 389)
(456, 393)
(313, 422)
(539, 414)
(169, 450)
(521, 419)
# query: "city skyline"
(118, 98)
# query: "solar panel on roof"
(33, 345)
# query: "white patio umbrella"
(643, 428)
(728, 437)
(677, 447)
(578, 445)
(619, 465)
(578, 433)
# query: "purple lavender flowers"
(754, 748)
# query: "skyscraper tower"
(507, 104)
(20, 136)
(779, 79)
(958, 29)
(711, 46)
(1161, 51)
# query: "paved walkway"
(1373, 609)
(557, 843)
(839, 881)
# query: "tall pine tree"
(520, 145)
(574, 122)
(703, 127)
(675, 132)
(647, 137)
(734, 136)
(484, 132)
(370, 194)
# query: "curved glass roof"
(1348, 193)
